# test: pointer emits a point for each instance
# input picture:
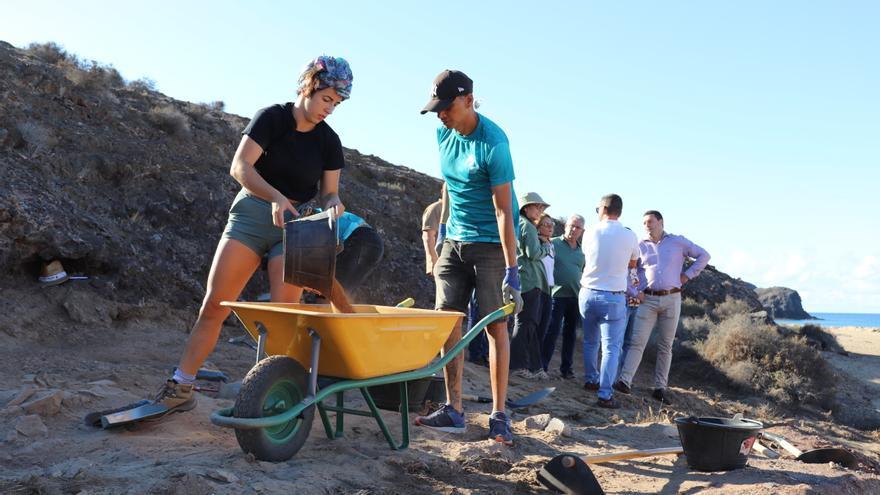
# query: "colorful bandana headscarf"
(333, 72)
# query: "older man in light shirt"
(661, 275)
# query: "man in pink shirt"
(661, 275)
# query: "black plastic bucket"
(388, 396)
(717, 444)
(310, 248)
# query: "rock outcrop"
(782, 302)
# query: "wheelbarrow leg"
(404, 417)
(261, 340)
(313, 371)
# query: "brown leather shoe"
(660, 394)
(591, 386)
(608, 404)
(621, 387)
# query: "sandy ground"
(863, 361)
(47, 449)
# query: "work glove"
(441, 237)
(511, 289)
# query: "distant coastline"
(836, 320)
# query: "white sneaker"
(540, 375)
(524, 374)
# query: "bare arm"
(444, 208)
(429, 240)
(243, 171)
(330, 191)
(504, 216)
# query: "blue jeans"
(627, 335)
(564, 316)
(604, 315)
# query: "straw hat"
(53, 274)
(531, 198)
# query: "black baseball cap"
(448, 85)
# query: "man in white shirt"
(610, 251)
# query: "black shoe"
(567, 375)
(591, 386)
(608, 403)
(660, 394)
(621, 387)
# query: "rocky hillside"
(782, 302)
(131, 188)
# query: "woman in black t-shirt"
(287, 155)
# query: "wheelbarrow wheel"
(271, 387)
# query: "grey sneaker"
(499, 428)
(177, 397)
(445, 419)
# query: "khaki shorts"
(465, 267)
(250, 222)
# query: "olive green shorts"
(250, 222)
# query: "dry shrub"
(169, 119)
(756, 356)
(689, 307)
(50, 52)
(816, 336)
(92, 75)
(694, 328)
(143, 85)
(731, 307)
(104, 76)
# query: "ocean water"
(839, 320)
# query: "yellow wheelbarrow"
(376, 345)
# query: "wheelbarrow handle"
(406, 303)
(508, 309)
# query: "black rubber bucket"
(310, 248)
(388, 396)
(717, 444)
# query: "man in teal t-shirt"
(478, 252)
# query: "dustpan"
(310, 247)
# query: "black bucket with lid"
(717, 444)
(310, 247)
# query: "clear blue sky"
(753, 126)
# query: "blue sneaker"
(445, 419)
(499, 428)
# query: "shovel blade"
(823, 456)
(146, 411)
(530, 399)
(567, 473)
